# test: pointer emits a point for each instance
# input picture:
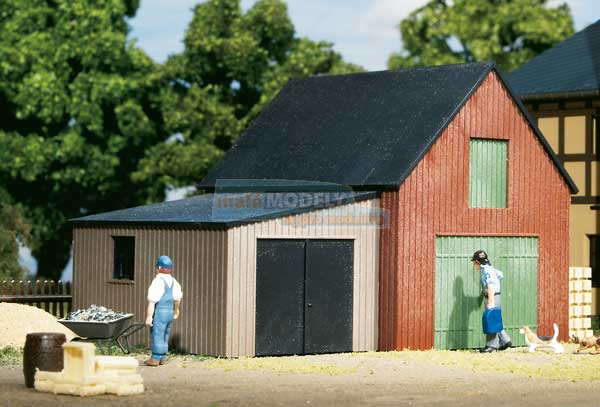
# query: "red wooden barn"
(460, 166)
(447, 151)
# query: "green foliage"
(88, 123)
(10, 356)
(110, 348)
(79, 105)
(233, 64)
(511, 32)
(12, 229)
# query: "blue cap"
(164, 262)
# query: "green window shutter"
(487, 173)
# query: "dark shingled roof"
(365, 130)
(569, 69)
(198, 210)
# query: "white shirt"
(157, 288)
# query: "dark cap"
(480, 257)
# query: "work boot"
(163, 361)
(505, 346)
(151, 362)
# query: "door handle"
(309, 304)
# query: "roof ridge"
(382, 71)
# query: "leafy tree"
(79, 105)
(13, 229)
(233, 64)
(88, 123)
(511, 32)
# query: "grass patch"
(280, 365)
(568, 366)
(143, 350)
(112, 349)
(10, 356)
(188, 357)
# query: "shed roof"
(569, 69)
(201, 210)
(365, 130)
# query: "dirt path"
(347, 380)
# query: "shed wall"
(433, 201)
(199, 265)
(241, 273)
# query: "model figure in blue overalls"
(164, 297)
(490, 287)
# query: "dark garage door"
(303, 296)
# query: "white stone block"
(572, 271)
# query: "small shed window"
(124, 253)
(488, 173)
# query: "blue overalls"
(491, 276)
(161, 323)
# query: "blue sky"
(364, 32)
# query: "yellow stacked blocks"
(580, 301)
(87, 375)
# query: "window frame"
(123, 244)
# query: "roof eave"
(536, 97)
(223, 224)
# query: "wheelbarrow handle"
(131, 329)
(124, 335)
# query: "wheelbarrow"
(117, 331)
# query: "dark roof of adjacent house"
(569, 69)
(365, 130)
(206, 210)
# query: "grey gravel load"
(95, 314)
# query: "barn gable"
(433, 203)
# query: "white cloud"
(365, 32)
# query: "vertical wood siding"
(199, 258)
(434, 201)
(241, 273)
(458, 302)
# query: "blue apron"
(161, 324)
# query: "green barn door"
(458, 298)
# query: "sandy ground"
(362, 380)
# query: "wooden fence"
(55, 298)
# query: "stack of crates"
(580, 301)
